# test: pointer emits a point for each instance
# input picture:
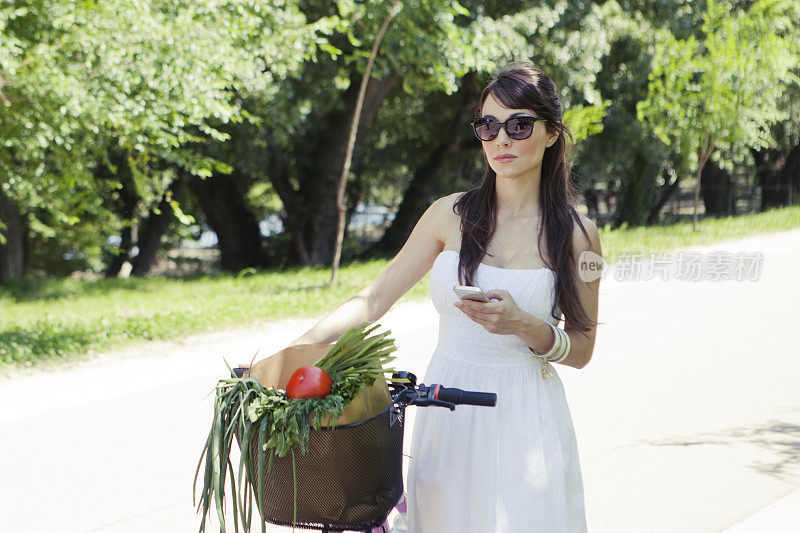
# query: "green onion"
(279, 425)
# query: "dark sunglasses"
(518, 128)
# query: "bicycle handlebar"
(461, 397)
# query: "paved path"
(688, 416)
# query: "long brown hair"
(523, 86)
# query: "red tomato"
(307, 382)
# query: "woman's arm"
(538, 335)
(409, 266)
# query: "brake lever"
(420, 398)
(425, 402)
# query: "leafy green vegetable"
(245, 409)
(355, 355)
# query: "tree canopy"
(129, 126)
(723, 89)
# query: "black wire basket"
(349, 478)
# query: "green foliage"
(564, 38)
(722, 89)
(92, 92)
(355, 355)
(584, 121)
(625, 160)
(147, 78)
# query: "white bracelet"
(560, 348)
(554, 349)
(565, 347)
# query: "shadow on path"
(781, 439)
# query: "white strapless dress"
(509, 468)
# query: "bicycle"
(351, 477)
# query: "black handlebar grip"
(463, 397)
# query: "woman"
(514, 467)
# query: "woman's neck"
(517, 197)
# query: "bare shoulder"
(580, 243)
(445, 203)
(449, 223)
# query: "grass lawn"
(51, 320)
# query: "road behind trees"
(687, 417)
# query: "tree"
(623, 167)
(721, 91)
(778, 166)
(351, 141)
(430, 146)
(429, 49)
(137, 81)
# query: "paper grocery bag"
(275, 371)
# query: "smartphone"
(471, 293)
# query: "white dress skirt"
(509, 468)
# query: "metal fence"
(680, 206)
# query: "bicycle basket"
(350, 477)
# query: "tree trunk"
(355, 192)
(637, 193)
(665, 193)
(294, 214)
(415, 198)
(590, 199)
(716, 186)
(152, 231)
(415, 202)
(341, 188)
(314, 224)
(228, 214)
(702, 157)
(128, 201)
(12, 252)
(776, 173)
(791, 174)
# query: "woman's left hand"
(501, 316)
